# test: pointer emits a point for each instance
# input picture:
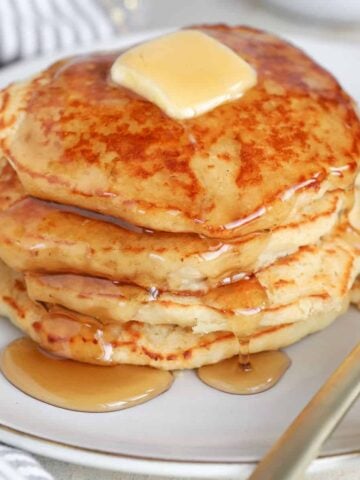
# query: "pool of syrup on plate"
(79, 386)
(95, 388)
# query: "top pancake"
(75, 138)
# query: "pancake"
(85, 339)
(355, 293)
(354, 216)
(45, 237)
(11, 190)
(248, 165)
(352, 235)
(131, 237)
(315, 280)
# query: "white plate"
(193, 429)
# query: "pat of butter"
(185, 73)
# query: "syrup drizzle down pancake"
(42, 236)
(84, 338)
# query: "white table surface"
(166, 13)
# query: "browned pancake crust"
(11, 190)
(87, 142)
(39, 236)
(86, 339)
(314, 280)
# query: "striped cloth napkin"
(30, 28)
(17, 465)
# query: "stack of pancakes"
(130, 237)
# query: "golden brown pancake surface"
(315, 279)
(236, 169)
(86, 339)
(36, 235)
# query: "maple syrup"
(79, 386)
(246, 374)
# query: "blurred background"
(31, 28)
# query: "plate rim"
(152, 466)
(120, 462)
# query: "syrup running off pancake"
(246, 374)
(92, 388)
(258, 373)
(79, 386)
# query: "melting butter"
(79, 386)
(185, 73)
(246, 375)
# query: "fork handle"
(301, 442)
